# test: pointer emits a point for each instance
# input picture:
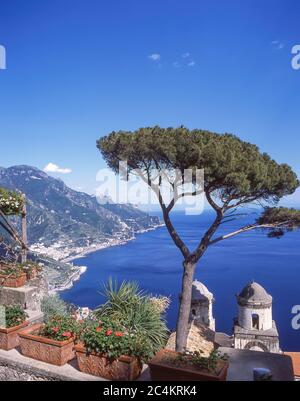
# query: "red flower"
(119, 334)
(67, 334)
(55, 329)
(98, 329)
(108, 332)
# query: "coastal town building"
(201, 331)
(254, 328)
(202, 305)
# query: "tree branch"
(196, 255)
(171, 229)
(174, 235)
(182, 195)
(245, 229)
(212, 203)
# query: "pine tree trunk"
(185, 306)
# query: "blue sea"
(155, 263)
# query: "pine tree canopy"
(234, 170)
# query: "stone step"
(16, 367)
(28, 296)
(34, 316)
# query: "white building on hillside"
(202, 305)
(254, 328)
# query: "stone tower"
(201, 305)
(254, 328)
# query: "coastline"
(75, 276)
(78, 271)
(95, 248)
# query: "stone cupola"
(201, 305)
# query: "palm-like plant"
(128, 305)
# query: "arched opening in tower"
(255, 321)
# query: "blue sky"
(78, 69)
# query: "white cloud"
(277, 44)
(53, 168)
(186, 60)
(154, 57)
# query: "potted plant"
(129, 330)
(188, 366)
(31, 269)
(110, 351)
(11, 322)
(12, 275)
(137, 311)
(11, 203)
(52, 342)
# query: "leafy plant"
(113, 340)
(197, 360)
(60, 328)
(16, 269)
(11, 269)
(11, 203)
(29, 267)
(160, 303)
(14, 315)
(52, 305)
(130, 307)
(288, 218)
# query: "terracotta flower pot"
(9, 338)
(44, 349)
(162, 369)
(12, 281)
(124, 368)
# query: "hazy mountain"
(57, 213)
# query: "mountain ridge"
(65, 218)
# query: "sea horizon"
(153, 261)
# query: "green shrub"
(16, 269)
(11, 203)
(29, 267)
(52, 305)
(196, 359)
(132, 309)
(13, 316)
